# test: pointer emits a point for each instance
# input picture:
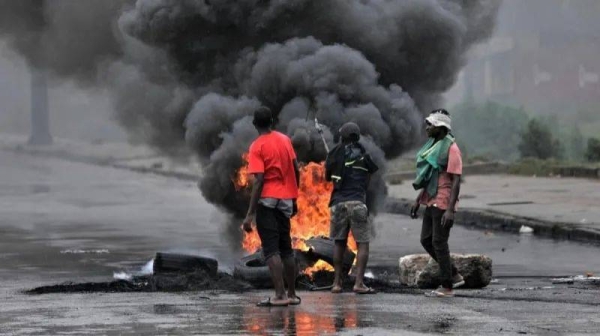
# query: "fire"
(320, 265)
(241, 179)
(313, 215)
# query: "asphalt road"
(64, 221)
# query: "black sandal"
(267, 303)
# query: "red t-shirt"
(272, 154)
(442, 199)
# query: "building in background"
(543, 56)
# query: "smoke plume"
(187, 74)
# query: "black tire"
(322, 248)
(181, 263)
(252, 269)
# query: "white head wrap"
(439, 119)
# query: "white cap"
(439, 119)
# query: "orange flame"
(320, 265)
(241, 178)
(313, 215)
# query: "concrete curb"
(502, 168)
(577, 171)
(103, 162)
(487, 219)
(472, 169)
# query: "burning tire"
(322, 248)
(253, 269)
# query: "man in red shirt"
(272, 162)
(439, 167)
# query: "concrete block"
(420, 270)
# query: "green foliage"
(489, 130)
(537, 141)
(588, 114)
(532, 167)
(592, 153)
(574, 143)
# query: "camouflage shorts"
(351, 215)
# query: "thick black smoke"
(191, 72)
(68, 38)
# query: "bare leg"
(338, 256)
(276, 270)
(362, 258)
(289, 268)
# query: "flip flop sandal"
(458, 284)
(336, 290)
(438, 294)
(368, 290)
(267, 303)
(293, 301)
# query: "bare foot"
(336, 289)
(364, 290)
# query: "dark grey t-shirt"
(357, 168)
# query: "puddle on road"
(331, 317)
(339, 314)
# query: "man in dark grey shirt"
(349, 167)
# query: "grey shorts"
(351, 215)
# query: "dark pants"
(274, 231)
(434, 239)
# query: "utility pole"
(469, 95)
(40, 121)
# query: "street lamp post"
(40, 123)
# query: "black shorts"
(274, 231)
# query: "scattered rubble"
(170, 273)
(525, 229)
(197, 281)
(587, 279)
(79, 251)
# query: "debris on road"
(78, 251)
(585, 279)
(170, 273)
(196, 281)
(525, 229)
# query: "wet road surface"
(63, 221)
